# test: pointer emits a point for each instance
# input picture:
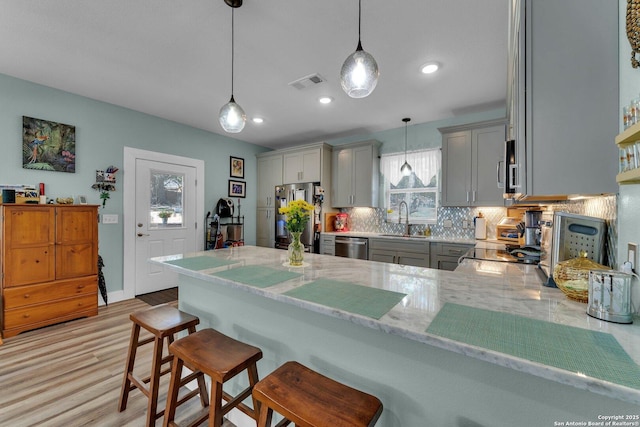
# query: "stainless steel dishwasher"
(352, 247)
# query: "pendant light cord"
(232, 51)
(359, 18)
(405, 141)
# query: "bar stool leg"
(154, 382)
(266, 413)
(215, 410)
(131, 357)
(252, 371)
(172, 396)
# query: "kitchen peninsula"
(421, 377)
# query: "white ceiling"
(172, 59)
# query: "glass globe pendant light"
(406, 168)
(359, 73)
(232, 117)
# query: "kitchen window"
(420, 189)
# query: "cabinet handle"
(467, 197)
(27, 296)
(142, 234)
(26, 315)
(499, 183)
(473, 196)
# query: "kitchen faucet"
(407, 226)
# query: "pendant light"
(232, 117)
(359, 74)
(406, 168)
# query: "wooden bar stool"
(309, 399)
(221, 358)
(163, 321)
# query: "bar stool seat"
(162, 321)
(221, 358)
(309, 399)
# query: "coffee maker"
(532, 228)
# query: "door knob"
(142, 234)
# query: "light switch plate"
(109, 218)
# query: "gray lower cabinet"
(328, 244)
(405, 252)
(265, 227)
(444, 256)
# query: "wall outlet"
(109, 218)
(632, 255)
(465, 224)
(447, 223)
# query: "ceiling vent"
(307, 81)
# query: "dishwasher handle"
(351, 241)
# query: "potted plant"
(165, 214)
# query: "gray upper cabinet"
(565, 103)
(355, 175)
(269, 175)
(471, 164)
(303, 166)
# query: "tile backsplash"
(374, 220)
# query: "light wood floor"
(70, 374)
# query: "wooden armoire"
(49, 257)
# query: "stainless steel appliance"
(610, 296)
(566, 235)
(285, 194)
(352, 247)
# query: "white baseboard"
(112, 297)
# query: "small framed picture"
(237, 188)
(236, 167)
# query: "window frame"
(393, 215)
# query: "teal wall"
(102, 132)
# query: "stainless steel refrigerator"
(287, 193)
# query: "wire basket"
(572, 276)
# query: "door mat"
(200, 262)
(358, 299)
(592, 353)
(159, 297)
(255, 275)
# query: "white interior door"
(162, 188)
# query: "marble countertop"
(506, 287)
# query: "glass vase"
(296, 249)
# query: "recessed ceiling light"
(325, 100)
(258, 120)
(430, 67)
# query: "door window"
(166, 202)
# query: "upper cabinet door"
(28, 244)
(488, 146)
(269, 175)
(76, 237)
(355, 175)
(456, 168)
(572, 106)
(303, 166)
